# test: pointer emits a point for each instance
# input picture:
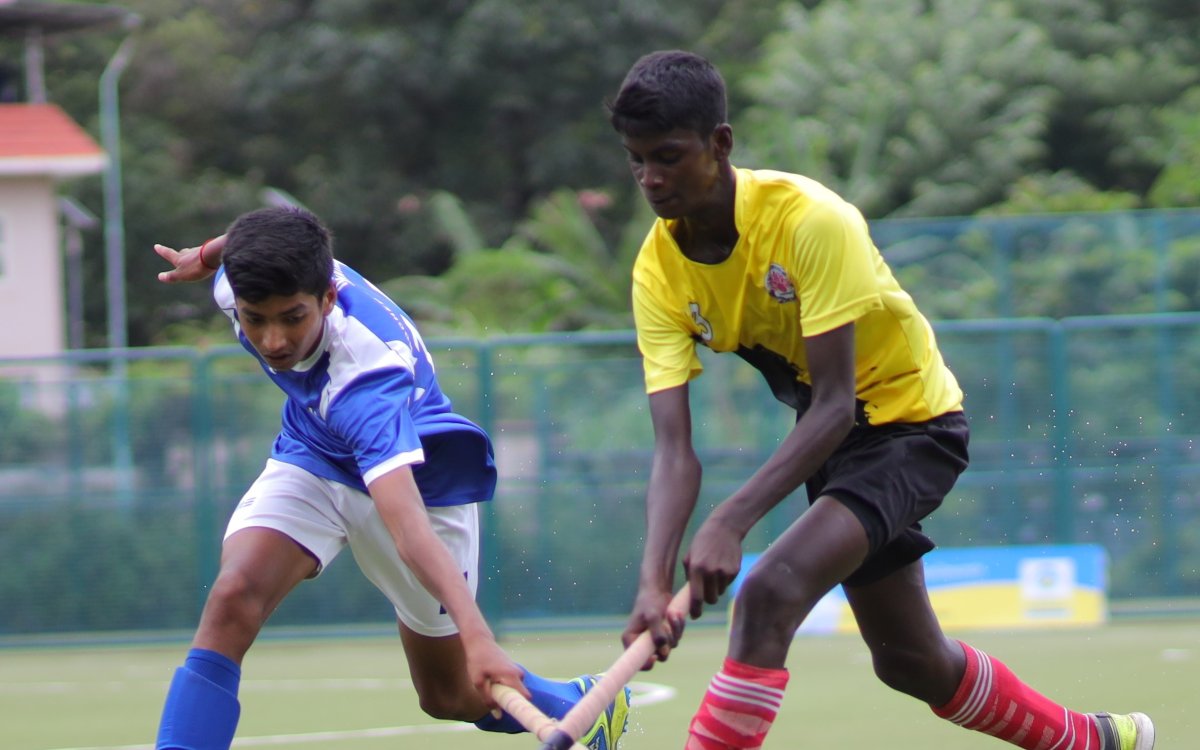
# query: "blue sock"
(214, 667)
(551, 698)
(201, 710)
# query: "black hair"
(277, 252)
(666, 90)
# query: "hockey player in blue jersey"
(371, 455)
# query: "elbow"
(684, 466)
(845, 420)
(839, 419)
(834, 407)
(679, 463)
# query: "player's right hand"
(712, 562)
(186, 265)
(650, 613)
(488, 664)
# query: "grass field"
(353, 693)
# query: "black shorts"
(891, 476)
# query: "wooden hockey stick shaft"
(583, 714)
(518, 706)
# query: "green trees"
(556, 272)
(940, 108)
(372, 112)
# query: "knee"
(449, 705)
(776, 598)
(926, 673)
(897, 668)
(235, 601)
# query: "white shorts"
(323, 516)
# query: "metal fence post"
(1062, 429)
(1168, 453)
(204, 501)
(491, 599)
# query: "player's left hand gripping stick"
(538, 723)
(583, 714)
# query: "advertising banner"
(993, 587)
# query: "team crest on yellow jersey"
(779, 285)
(706, 330)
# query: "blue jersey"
(367, 401)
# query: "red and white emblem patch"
(779, 285)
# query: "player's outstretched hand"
(188, 264)
(651, 613)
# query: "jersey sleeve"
(835, 269)
(668, 349)
(371, 414)
(223, 296)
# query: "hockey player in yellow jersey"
(783, 272)
(772, 292)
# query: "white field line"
(114, 686)
(647, 694)
(296, 739)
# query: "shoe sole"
(1145, 731)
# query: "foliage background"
(459, 149)
(466, 140)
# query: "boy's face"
(285, 330)
(677, 171)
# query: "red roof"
(42, 139)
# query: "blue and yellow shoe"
(1124, 731)
(611, 723)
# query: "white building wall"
(32, 308)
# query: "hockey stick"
(518, 706)
(583, 714)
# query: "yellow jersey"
(804, 264)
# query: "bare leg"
(439, 674)
(826, 544)
(259, 567)
(966, 686)
(909, 651)
(438, 666)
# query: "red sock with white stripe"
(992, 700)
(738, 709)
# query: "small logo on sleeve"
(779, 285)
